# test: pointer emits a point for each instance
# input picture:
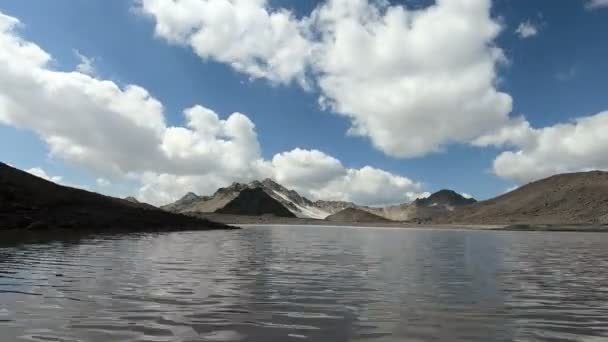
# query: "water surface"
(308, 284)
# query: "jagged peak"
(131, 199)
(235, 186)
(189, 197)
(270, 181)
(445, 197)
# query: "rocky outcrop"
(255, 202)
(183, 203)
(446, 198)
(354, 215)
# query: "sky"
(373, 101)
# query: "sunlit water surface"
(308, 284)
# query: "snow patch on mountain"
(304, 211)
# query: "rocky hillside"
(423, 209)
(437, 204)
(446, 198)
(354, 215)
(575, 198)
(299, 205)
(255, 202)
(29, 202)
(183, 202)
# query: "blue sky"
(553, 76)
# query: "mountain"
(446, 198)
(402, 212)
(299, 205)
(182, 203)
(255, 202)
(437, 204)
(137, 203)
(131, 199)
(30, 202)
(575, 198)
(423, 209)
(354, 215)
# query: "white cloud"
(39, 172)
(580, 145)
(121, 132)
(517, 133)
(102, 182)
(370, 186)
(409, 85)
(306, 169)
(595, 4)
(245, 34)
(310, 172)
(320, 176)
(466, 195)
(112, 130)
(86, 65)
(526, 29)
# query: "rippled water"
(308, 283)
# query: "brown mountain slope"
(255, 202)
(575, 198)
(352, 215)
(29, 202)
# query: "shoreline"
(11, 236)
(242, 220)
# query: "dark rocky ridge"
(446, 198)
(255, 202)
(354, 215)
(32, 203)
(575, 198)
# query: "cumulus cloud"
(466, 195)
(306, 169)
(121, 132)
(86, 65)
(409, 85)
(370, 186)
(102, 182)
(320, 176)
(246, 34)
(73, 112)
(595, 4)
(39, 172)
(310, 172)
(580, 145)
(526, 30)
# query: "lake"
(308, 284)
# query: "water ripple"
(311, 284)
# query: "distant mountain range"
(31, 203)
(423, 209)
